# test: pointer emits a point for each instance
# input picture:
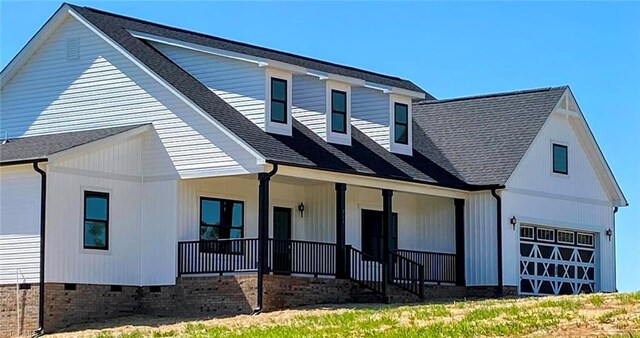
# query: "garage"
(556, 261)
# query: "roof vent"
(73, 49)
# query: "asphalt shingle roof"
(39, 147)
(482, 139)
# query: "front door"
(281, 244)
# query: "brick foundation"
(491, 291)
(197, 297)
(18, 311)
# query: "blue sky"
(449, 49)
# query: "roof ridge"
(242, 43)
(484, 96)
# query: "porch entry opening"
(373, 234)
(281, 243)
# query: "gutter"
(499, 237)
(263, 232)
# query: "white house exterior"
(152, 141)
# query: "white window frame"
(560, 143)
(593, 240)
(573, 236)
(271, 126)
(533, 235)
(406, 149)
(553, 237)
(332, 136)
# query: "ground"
(565, 316)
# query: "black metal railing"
(366, 270)
(407, 274)
(220, 256)
(438, 267)
(303, 257)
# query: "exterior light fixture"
(513, 222)
(301, 209)
(609, 233)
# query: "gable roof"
(35, 148)
(484, 137)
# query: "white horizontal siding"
(481, 261)
(19, 259)
(309, 103)
(370, 114)
(241, 84)
(102, 88)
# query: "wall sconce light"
(301, 209)
(609, 233)
(513, 222)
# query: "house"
(149, 169)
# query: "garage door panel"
(554, 261)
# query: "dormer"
(338, 121)
(400, 126)
(278, 99)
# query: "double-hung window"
(401, 123)
(221, 219)
(338, 111)
(96, 220)
(279, 100)
(560, 159)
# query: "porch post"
(263, 231)
(341, 268)
(387, 229)
(459, 220)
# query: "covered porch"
(296, 223)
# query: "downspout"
(615, 273)
(499, 237)
(43, 207)
(263, 231)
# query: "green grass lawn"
(567, 316)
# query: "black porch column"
(459, 220)
(387, 229)
(263, 231)
(341, 268)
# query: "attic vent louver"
(73, 49)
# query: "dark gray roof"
(482, 138)
(257, 51)
(39, 147)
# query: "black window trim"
(395, 122)
(346, 109)
(226, 248)
(88, 193)
(553, 158)
(286, 99)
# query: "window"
(545, 235)
(565, 237)
(96, 220)
(372, 235)
(526, 232)
(560, 159)
(278, 100)
(585, 239)
(221, 219)
(401, 123)
(338, 111)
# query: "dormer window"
(338, 111)
(401, 124)
(279, 100)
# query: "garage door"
(556, 261)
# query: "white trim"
(406, 149)
(259, 158)
(593, 239)
(371, 182)
(533, 236)
(566, 232)
(332, 136)
(565, 144)
(271, 126)
(558, 196)
(553, 235)
(95, 174)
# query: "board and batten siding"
(241, 84)
(19, 224)
(370, 114)
(481, 251)
(101, 88)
